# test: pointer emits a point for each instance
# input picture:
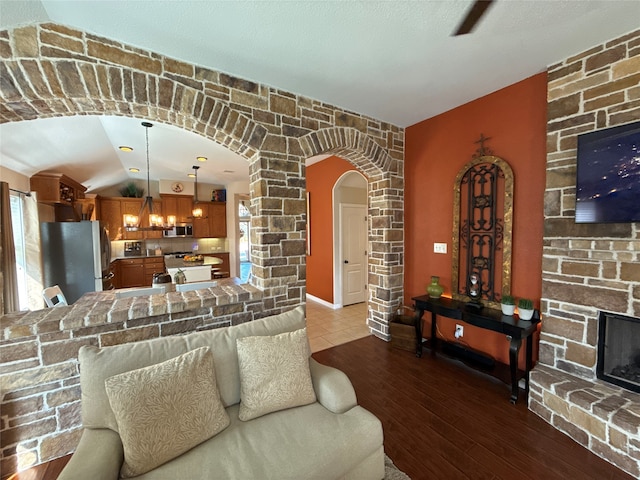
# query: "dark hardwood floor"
(443, 420)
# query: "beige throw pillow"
(166, 409)
(274, 373)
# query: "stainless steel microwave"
(180, 230)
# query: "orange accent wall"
(436, 149)
(321, 177)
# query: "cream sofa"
(331, 438)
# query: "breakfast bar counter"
(40, 349)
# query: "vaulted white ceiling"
(393, 60)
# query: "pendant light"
(156, 221)
(197, 211)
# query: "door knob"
(346, 261)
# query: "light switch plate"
(439, 248)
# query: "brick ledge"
(100, 308)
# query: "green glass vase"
(434, 289)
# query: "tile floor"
(327, 328)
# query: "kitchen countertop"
(122, 257)
(136, 256)
(171, 262)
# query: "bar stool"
(54, 297)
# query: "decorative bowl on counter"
(193, 259)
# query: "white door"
(353, 228)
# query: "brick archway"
(50, 70)
(386, 210)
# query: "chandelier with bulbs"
(133, 223)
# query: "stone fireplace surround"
(619, 350)
(587, 267)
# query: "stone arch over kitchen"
(50, 70)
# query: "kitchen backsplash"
(168, 245)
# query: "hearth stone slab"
(590, 412)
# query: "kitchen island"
(138, 270)
(194, 271)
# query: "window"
(244, 226)
(19, 242)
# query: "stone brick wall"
(50, 70)
(587, 267)
(40, 407)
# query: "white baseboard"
(323, 302)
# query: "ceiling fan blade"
(477, 10)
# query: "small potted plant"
(508, 305)
(131, 190)
(525, 309)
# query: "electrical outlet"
(459, 331)
(439, 248)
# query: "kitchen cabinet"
(114, 269)
(88, 208)
(131, 273)
(218, 220)
(178, 205)
(213, 223)
(110, 214)
(201, 225)
(113, 208)
(130, 206)
(152, 265)
(224, 268)
(56, 188)
(136, 272)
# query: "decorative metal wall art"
(482, 225)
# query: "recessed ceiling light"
(192, 175)
(201, 159)
(125, 148)
(229, 171)
(134, 170)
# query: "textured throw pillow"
(166, 409)
(274, 373)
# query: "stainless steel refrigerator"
(76, 256)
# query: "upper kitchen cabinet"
(88, 208)
(178, 205)
(111, 217)
(201, 224)
(218, 220)
(213, 223)
(112, 210)
(56, 188)
(130, 206)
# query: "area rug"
(391, 472)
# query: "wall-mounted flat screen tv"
(608, 175)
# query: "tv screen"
(608, 175)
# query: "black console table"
(516, 330)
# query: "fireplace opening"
(619, 350)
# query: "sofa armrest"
(99, 456)
(333, 388)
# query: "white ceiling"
(85, 148)
(393, 60)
